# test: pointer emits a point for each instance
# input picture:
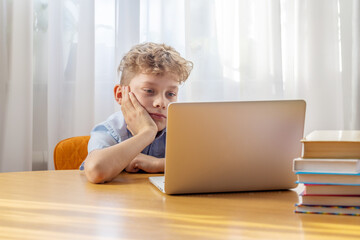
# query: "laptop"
(231, 146)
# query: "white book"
(329, 178)
(320, 189)
(326, 165)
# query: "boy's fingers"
(126, 99)
(134, 100)
(125, 93)
(132, 167)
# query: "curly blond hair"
(153, 58)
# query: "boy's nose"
(160, 102)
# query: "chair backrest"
(70, 153)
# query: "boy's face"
(154, 93)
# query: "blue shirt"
(114, 130)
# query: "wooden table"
(63, 205)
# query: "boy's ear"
(118, 93)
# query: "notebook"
(231, 146)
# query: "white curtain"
(251, 50)
(58, 61)
(70, 61)
(16, 94)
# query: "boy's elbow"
(94, 172)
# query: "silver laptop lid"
(232, 146)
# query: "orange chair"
(70, 153)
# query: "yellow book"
(332, 144)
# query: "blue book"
(352, 179)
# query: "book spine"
(328, 213)
(331, 150)
(327, 183)
(328, 195)
(326, 165)
(327, 206)
(327, 209)
(329, 178)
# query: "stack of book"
(330, 171)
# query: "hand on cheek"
(136, 117)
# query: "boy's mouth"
(157, 116)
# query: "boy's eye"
(172, 94)
(147, 90)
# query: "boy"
(150, 78)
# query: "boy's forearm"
(105, 164)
